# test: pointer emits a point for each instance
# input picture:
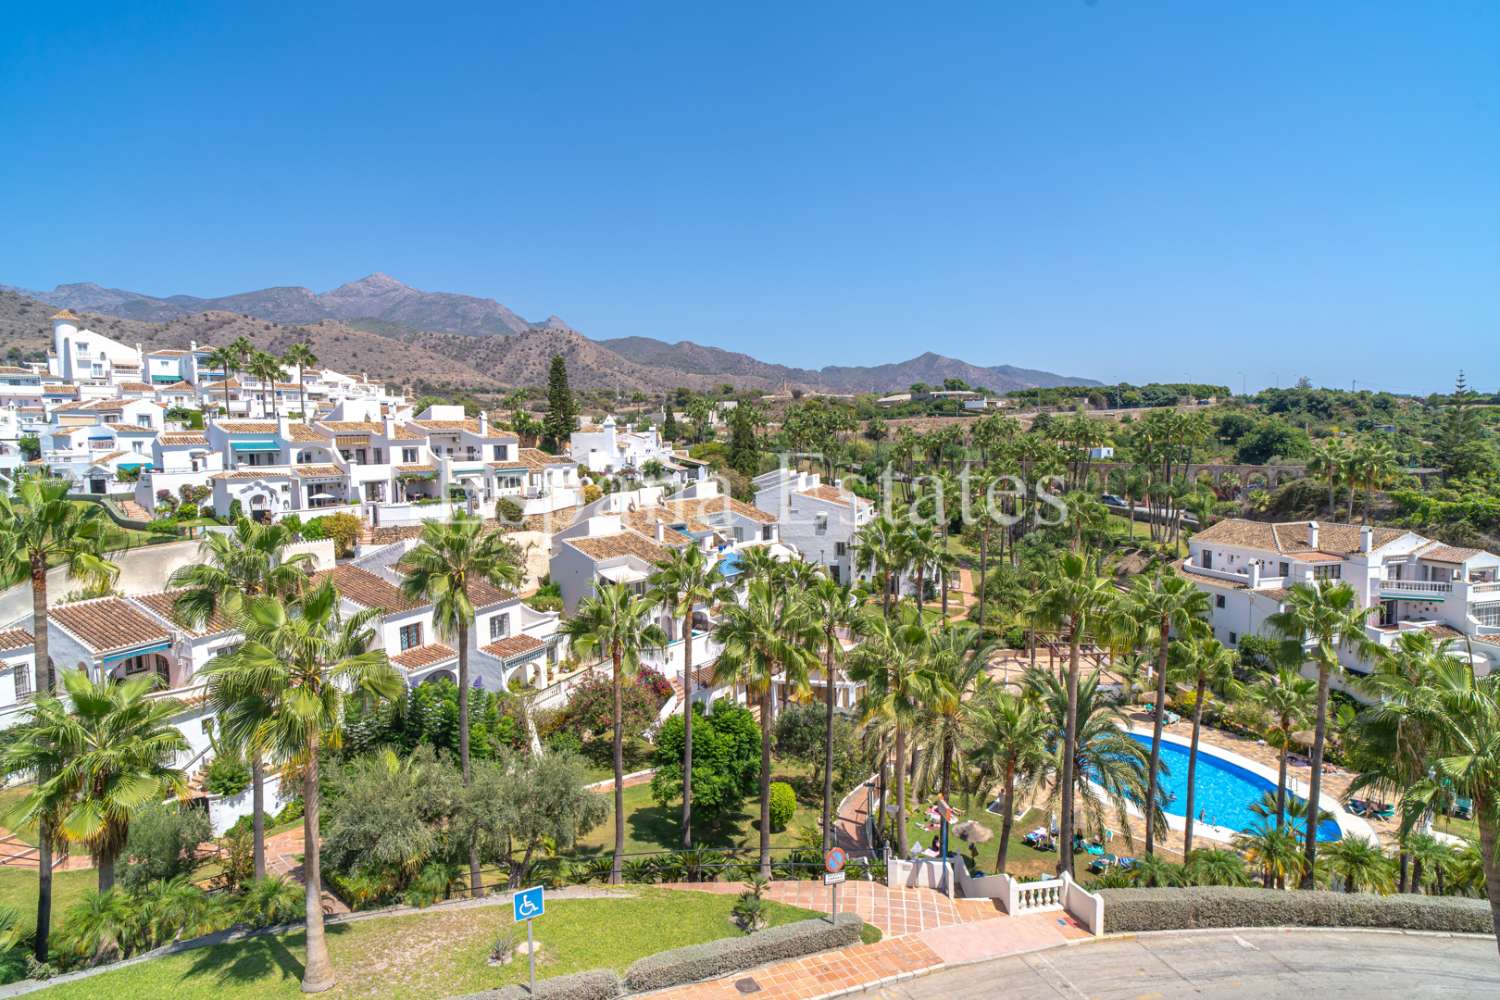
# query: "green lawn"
(648, 827)
(9, 797)
(1020, 859)
(18, 889)
(435, 954)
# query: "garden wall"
(1134, 910)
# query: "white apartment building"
(81, 356)
(608, 449)
(819, 521)
(1413, 582)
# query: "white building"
(81, 356)
(608, 449)
(819, 521)
(1414, 583)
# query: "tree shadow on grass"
(265, 957)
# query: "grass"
(649, 827)
(18, 890)
(1466, 828)
(434, 954)
(9, 797)
(1019, 859)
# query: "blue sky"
(1119, 190)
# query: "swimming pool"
(730, 564)
(1225, 791)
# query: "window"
(1234, 639)
(408, 456)
(411, 636)
(1487, 614)
(1218, 600)
(500, 455)
(1328, 571)
(22, 674)
(1208, 559)
(840, 549)
(499, 626)
(379, 456)
(820, 523)
(1282, 569)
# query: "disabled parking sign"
(528, 904)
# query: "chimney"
(661, 532)
(390, 427)
(484, 423)
(1312, 534)
(1253, 569)
(193, 345)
(283, 426)
(1366, 538)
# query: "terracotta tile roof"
(404, 432)
(701, 509)
(1291, 537)
(136, 387)
(220, 384)
(318, 472)
(536, 460)
(513, 645)
(65, 314)
(247, 426)
(15, 638)
(184, 437)
(423, 656)
(303, 434)
(166, 352)
(1187, 573)
(624, 543)
(832, 494)
(175, 386)
(414, 469)
(364, 588)
(645, 521)
(352, 426)
(261, 473)
(467, 424)
(1450, 553)
(130, 429)
(1441, 632)
(161, 606)
(107, 624)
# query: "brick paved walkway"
(284, 857)
(896, 911)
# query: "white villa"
(609, 449)
(819, 521)
(1415, 583)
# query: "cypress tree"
(669, 422)
(744, 455)
(562, 408)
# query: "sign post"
(526, 906)
(833, 874)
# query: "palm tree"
(617, 624)
(1361, 863)
(249, 562)
(920, 546)
(1375, 466)
(40, 528)
(301, 355)
(1010, 736)
(759, 639)
(683, 582)
(835, 608)
(292, 674)
(1327, 462)
(892, 663)
(1215, 866)
(115, 747)
(454, 563)
(1161, 605)
(1077, 598)
(1429, 856)
(225, 359)
(878, 546)
(1288, 699)
(957, 657)
(1207, 666)
(1317, 622)
(1275, 850)
(267, 368)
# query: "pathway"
(17, 853)
(284, 857)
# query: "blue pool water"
(730, 564)
(1225, 790)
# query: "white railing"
(1217, 574)
(1037, 897)
(1418, 586)
(1487, 587)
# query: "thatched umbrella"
(974, 832)
(1306, 737)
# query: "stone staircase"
(134, 511)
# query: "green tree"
(744, 452)
(562, 408)
(226, 360)
(684, 582)
(1462, 447)
(724, 763)
(1288, 699)
(301, 356)
(1275, 850)
(40, 528)
(524, 805)
(1360, 863)
(292, 674)
(835, 608)
(1317, 622)
(1010, 742)
(617, 624)
(454, 563)
(1205, 665)
(669, 429)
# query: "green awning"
(255, 446)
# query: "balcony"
(1414, 589)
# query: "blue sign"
(528, 904)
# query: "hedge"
(595, 984)
(717, 958)
(1127, 910)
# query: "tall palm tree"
(226, 360)
(301, 356)
(40, 528)
(835, 608)
(921, 545)
(1361, 863)
(617, 624)
(455, 562)
(892, 663)
(267, 368)
(292, 674)
(1205, 665)
(1327, 462)
(250, 561)
(1375, 466)
(1317, 622)
(1158, 606)
(1288, 699)
(115, 747)
(761, 639)
(957, 658)
(1010, 737)
(878, 547)
(1079, 599)
(683, 582)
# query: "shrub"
(343, 528)
(717, 958)
(1131, 910)
(227, 776)
(187, 511)
(726, 760)
(596, 984)
(161, 844)
(783, 805)
(507, 511)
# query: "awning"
(321, 495)
(128, 466)
(622, 574)
(157, 647)
(259, 445)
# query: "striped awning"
(352, 440)
(156, 647)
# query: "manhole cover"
(747, 985)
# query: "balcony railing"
(1417, 586)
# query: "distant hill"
(389, 329)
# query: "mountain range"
(394, 331)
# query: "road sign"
(835, 860)
(528, 904)
(833, 878)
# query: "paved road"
(1248, 965)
